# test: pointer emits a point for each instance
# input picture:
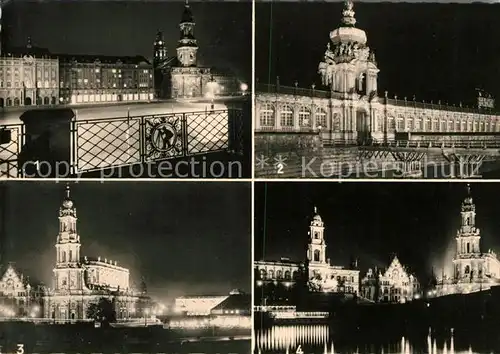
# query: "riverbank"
(84, 338)
(471, 312)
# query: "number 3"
(20, 349)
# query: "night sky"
(434, 51)
(373, 221)
(223, 29)
(176, 235)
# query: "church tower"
(159, 50)
(68, 274)
(467, 259)
(159, 58)
(316, 253)
(187, 48)
(349, 65)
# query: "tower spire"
(315, 210)
(68, 191)
(348, 13)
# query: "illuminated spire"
(315, 210)
(68, 191)
(348, 18)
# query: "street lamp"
(243, 88)
(212, 86)
(146, 314)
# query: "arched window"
(287, 275)
(295, 275)
(321, 118)
(267, 115)
(70, 256)
(64, 256)
(304, 117)
(286, 116)
(46, 100)
(271, 274)
(316, 256)
(279, 274)
(467, 269)
(468, 247)
(316, 235)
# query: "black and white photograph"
(122, 267)
(369, 89)
(376, 268)
(125, 89)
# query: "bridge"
(309, 133)
(91, 140)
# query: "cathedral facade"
(80, 281)
(18, 298)
(392, 285)
(181, 76)
(351, 109)
(473, 269)
(322, 276)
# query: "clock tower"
(187, 48)
(68, 273)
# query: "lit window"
(113, 71)
(97, 70)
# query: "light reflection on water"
(317, 339)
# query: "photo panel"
(125, 89)
(123, 267)
(376, 268)
(353, 89)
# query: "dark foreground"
(84, 338)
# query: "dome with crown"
(347, 32)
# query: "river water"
(320, 339)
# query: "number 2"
(279, 168)
(299, 350)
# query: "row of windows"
(287, 275)
(19, 84)
(268, 114)
(8, 72)
(16, 101)
(451, 126)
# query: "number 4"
(299, 350)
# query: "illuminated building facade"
(394, 285)
(18, 298)
(29, 78)
(347, 106)
(86, 79)
(78, 282)
(321, 275)
(473, 270)
(197, 305)
(181, 76)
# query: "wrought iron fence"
(123, 141)
(9, 152)
(116, 142)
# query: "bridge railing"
(98, 144)
(105, 143)
(9, 152)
